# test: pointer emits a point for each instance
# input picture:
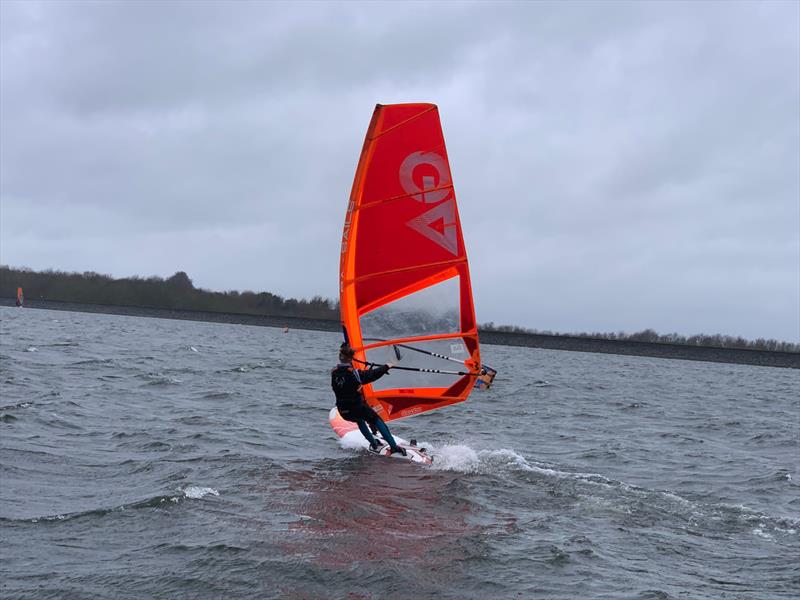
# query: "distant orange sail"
(20, 297)
(405, 292)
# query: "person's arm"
(370, 375)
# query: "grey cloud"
(639, 160)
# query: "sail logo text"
(432, 191)
(348, 222)
(439, 223)
(414, 410)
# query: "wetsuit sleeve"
(370, 375)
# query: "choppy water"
(144, 458)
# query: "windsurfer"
(346, 382)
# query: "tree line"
(649, 335)
(176, 292)
(179, 293)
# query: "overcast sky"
(618, 166)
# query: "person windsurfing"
(346, 382)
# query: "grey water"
(146, 458)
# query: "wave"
(160, 379)
(778, 476)
(89, 362)
(250, 367)
(216, 395)
(17, 405)
(191, 492)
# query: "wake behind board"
(350, 433)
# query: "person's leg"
(362, 426)
(371, 417)
(381, 426)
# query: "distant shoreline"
(765, 358)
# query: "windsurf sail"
(20, 297)
(405, 292)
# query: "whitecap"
(197, 492)
(459, 457)
(456, 458)
(761, 533)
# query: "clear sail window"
(432, 310)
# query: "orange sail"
(405, 292)
(20, 297)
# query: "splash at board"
(352, 438)
(404, 283)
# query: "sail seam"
(444, 263)
(421, 338)
(372, 203)
(401, 123)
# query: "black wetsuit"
(346, 383)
